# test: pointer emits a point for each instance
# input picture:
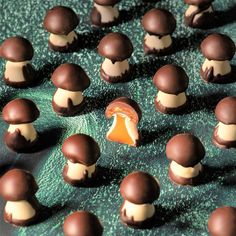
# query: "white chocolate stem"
(62, 40)
(226, 132)
(154, 42)
(219, 67)
(171, 100)
(116, 69)
(108, 13)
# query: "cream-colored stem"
(108, 13)
(62, 40)
(192, 8)
(226, 132)
(116, 69)
(219, 67)
(154, 42)
(171, 100)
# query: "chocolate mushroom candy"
(82, 153)
(18, 188)
(224, 135)
(20, 114)
(70, 80)
(127, 114)
(222, 222)
(18, 52)
(104, 13)
(172, 82)
(185, 151)
(159, 25)
(82, 223)
(116, 48)
(60, 22)
(200, 13)
(139, 190)
(218, 49)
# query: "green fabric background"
(184, 210)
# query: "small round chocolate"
(171, 79)
(70, 77)
(82, 223)
(226, 110)
(139, 188)
(20, 111)
(16, 49)
(159, 22)
(115, 46)
(107, 2)
(218, 47)
(125, 106)
(17, 185)
(222, 222)
(81, 148)
(185, 149)
(198, 2)
(60, 20)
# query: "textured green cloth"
(184, 210)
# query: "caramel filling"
(14, 71)
(108, 13)
(20, 210)
(171, 100)
(116, 69)
(192, 8)
(26, 130)
(77, 171)
(154, 42)
(123, 130)
(139, 212)
(61, 97)
(219, 67)
(62, 40)
(226, 132)
(185, 172)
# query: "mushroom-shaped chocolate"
(171, 81)
(104, 13)
(185, 151)
(139, 190)
(60, 22)
(200, 14)
(218, 49)
(18, 188)
(18, 52)
(222, 221)
(82, 153)
(224, 135)
(159, 25)
(82, 223)
(127, 114)
(20, 114)
(116, 48)
(70, 80)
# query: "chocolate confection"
(172, 82)
(70, 80)
(116, 48)
(19, 114)
(82, 223)
(127, 114)
(224, 135)
(139, 190)
(222, 222)
(61, 22)
(218, 49)
(159, 25)
(82, 153)
(185, 152)
(18, 52)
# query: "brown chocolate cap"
(171, 79)
(185, 149)
(222, 222)
(107, 2)
(82, 223)
(198, 2)
(60, 20)
(16, 49)
(81, 148)
(226, 110)
(125, 106)
(159, 21)
(17, 184)
(115, 46)
(20, 111)
(70, 77)
(140, 188)
(218, 47)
